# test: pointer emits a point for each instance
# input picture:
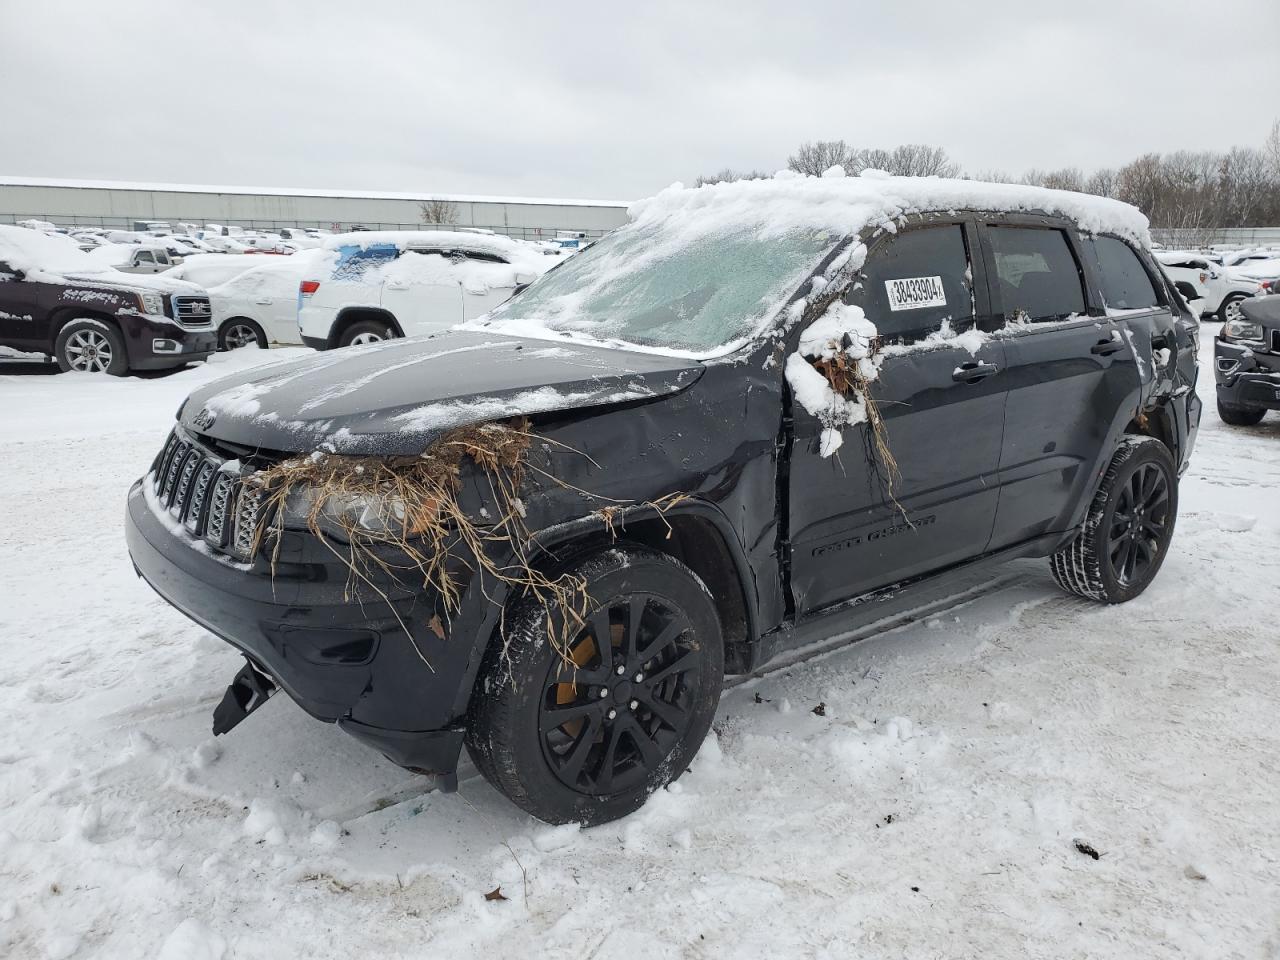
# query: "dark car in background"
(550, 533)
(58, 301)
(1246, 363)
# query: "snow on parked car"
(135, 257)
(385, 284)
(260, 305)
(1220, 289)
(211, 269)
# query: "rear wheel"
(1240, 416)
(367, 331)
(241, 332)
(91, 346)
(1128, 529)
(587, 736)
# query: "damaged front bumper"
(1246, 377)
(344, 660)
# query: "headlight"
(1241, 330)
(152, 303)
(375, 513)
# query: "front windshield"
(672, 285)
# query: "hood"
(396, 397)
(138, 281)
(1264, 310)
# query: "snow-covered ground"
(934, 806)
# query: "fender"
(558, 544)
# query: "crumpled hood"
(117, 280)
(398, 396)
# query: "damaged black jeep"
(550, 533)
(1246, 363)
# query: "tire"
(367, 331)
(240, 332)
(1240, 416)
(592, 767)
(1230, 308)
(1112, 560)
(91, 346)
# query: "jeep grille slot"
(192, 311)
(1275, 341)
(213, 505)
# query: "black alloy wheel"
(1139, 524)
(585, 731)
(611, 716)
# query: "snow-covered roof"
(789, 201)
(298, 192)
(510, 250)
(34, 252)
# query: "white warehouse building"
(105, 203)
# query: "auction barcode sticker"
(912, 293)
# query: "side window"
(915, 280)
(1038, 276)
(144, 256)
(162, 257)
(1125, 283)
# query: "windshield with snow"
(700, 291)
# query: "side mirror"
(524, 279)
(1188, 292)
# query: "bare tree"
(1273, 149)
(1068, 178)
(814, 158)
(729, 175)
(921, 160)
(439, 212)
(1101, 183)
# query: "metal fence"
(126, 223)
(1238, 237)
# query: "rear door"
(420, 290)
(1070, 371)
(486, 282)
(854, 526)
(24, 324)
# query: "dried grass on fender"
(418, 527)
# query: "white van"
(377, 285)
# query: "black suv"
(551, 532)
(58, 301)
(1246, 363)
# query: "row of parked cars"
(98, 309)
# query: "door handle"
(1105, 348)
(397, 286)
(973, 371)
(265, 301)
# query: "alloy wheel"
(367, 337)
(240, 335)
(1139, 526)
(1233, 311)
(89, 351)
(613, 709)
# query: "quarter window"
(1037, 274)
(1125, 284)
(914, 281)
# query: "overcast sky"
(581, 100)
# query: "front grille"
(213, 505)
(1275, 341)
(192, 311)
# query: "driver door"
(854, 527)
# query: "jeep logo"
(204, 419)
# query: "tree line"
(1193, 192)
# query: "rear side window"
(1125, 283)
(1037, 274)
(915, 280)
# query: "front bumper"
(1244, 377)
(155, 343)
(342, 661)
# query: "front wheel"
(585, 734)
(91, 346)
(1128, 529)
(1240, 416)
